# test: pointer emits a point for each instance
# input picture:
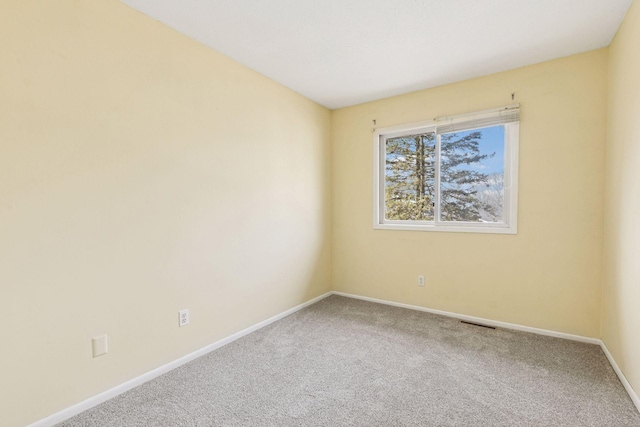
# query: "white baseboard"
(115, 391)
(111, 393)
(623, 379)
(481, 320)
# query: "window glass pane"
(410, 177)
(472, 175)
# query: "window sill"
(449, 229)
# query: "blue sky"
(492, 142)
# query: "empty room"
(319, 213)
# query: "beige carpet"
(345, 362)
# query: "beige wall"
(549, 274)
(621, 296)
(142, 173)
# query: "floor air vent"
(477, 324)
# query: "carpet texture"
(345, 362)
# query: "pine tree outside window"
(452, 174)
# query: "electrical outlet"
(183, 318)
(420, 280)
(99, 346)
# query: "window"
(452, 174)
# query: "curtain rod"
(478, 113)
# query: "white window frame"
(510, 208)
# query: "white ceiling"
(345, 52)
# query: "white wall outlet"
(420, 280)
(183, 319)
(99, 345)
